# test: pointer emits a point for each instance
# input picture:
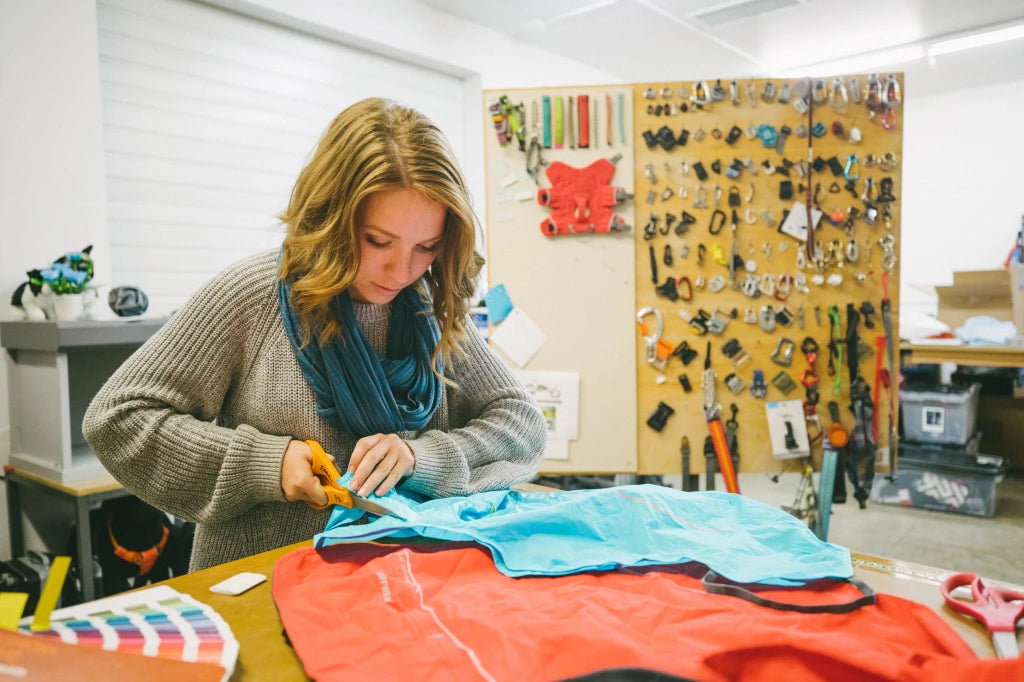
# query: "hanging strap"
(867, 598)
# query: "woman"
(354, 334)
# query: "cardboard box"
(977, 292)
(1001, 422)
(1017, 295)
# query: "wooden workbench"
(265, 654)
(981, 356)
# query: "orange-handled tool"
(328, 475)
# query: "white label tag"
(239, 583)
(933, 419)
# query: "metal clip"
(751, 287)
(651, 340)
(718, 322)
(852, 251)
(783, 354)
(837, 94)
(734, 383)
(768, 92)
(801, 259)
(751, 93)
(702, 197)
(888, 244)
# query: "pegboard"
(584, 291)
(579, 289)
(723, 138)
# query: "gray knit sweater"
(197, 420)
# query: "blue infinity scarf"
(355, 390)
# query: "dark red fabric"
(445, 613)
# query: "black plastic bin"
(943, 479)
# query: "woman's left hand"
(379, 462)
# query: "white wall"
(52, 193)
(962, 195)
(52, 196)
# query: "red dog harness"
(581, 199)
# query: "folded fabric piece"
(986, 330)
(444, 613)
(566, 532)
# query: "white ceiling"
(656, 40)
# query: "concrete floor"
(992, 546)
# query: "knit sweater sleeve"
(153, 423)
(497, 433)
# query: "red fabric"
(445, 613)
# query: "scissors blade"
(373, 507)
(1006, 644)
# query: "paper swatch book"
(158, 622)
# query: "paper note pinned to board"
(518, 337)
(498, 302)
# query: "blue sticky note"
(499, 305)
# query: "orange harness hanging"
(145, 560)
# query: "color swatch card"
(158, 621)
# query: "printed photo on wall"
(558, 395)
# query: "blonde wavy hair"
(374, 146)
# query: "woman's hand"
(297, 479)
(379, 462)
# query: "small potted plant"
(56, 292)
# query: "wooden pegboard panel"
(709, 129)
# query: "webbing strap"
(867, 598)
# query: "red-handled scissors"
(998, 608)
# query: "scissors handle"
(328, 474)
(999, 608)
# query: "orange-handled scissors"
(997, 608)
(328, 475)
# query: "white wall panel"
(208, 118)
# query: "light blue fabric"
(574, 531)
(986, 330)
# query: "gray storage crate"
(946, 414)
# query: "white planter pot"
(67, 306)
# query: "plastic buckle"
(783, 382)
(758, 388)
(660, 415)
(767, 319)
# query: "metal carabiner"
(715, 228)
(837, 94)
(702, 197)
(688, 295)
(852, 170)
(651, 340)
